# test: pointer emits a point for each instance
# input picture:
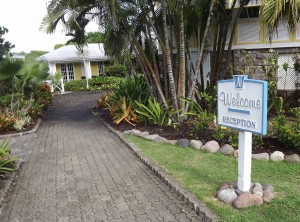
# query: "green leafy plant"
(36, 110)
(204, 120)
(288, 131)
(219, 133)
(116, 70)
(270, 67)
(5, 101)
(21, 122)
(155, 113)
(7, 162)
(134, 89)
(233, 138)
(97, 83)
(257, 140)
(43, 95)
(75, 85)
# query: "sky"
(23, 19)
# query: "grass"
(202, 173)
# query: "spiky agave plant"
(7, 162)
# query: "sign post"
(242, 105)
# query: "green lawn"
(201, 173)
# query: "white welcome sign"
(242, 105)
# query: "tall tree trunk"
(147, 64)
(181, 82)
(153, 52)
(200, 54)
(168, 57)
(225, 67)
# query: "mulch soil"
(185, 131)
(28, 128)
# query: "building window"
(281, 33)
(248, 31)
(68, 71)
(101, 67)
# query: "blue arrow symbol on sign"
(239, 111)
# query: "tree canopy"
(5, 46)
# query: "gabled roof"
(69, 53)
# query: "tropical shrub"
(288, 132)
(36, 110)
(105, 82)
(133, 89)
(20, 109)
(19, 76)
(43, 95)
(154, 113)
(5, 100)
(116, 70)
(204, 120)
(7, 121)
(21, 122)
(103, 101)
(75, 85)
(121, 111)
(97, 83)
(219, 132)
(7, 162)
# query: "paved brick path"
(76, 170)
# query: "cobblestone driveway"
(76, 170)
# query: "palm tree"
(169, 56)
(275, 11)
(201, 53)
(17, 75)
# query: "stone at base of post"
(244, 161)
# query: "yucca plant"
(7, 162)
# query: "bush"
(105, 82)
(133, 89)
(7, 121)
(96, 83)
(43, 95)
(36, 110)
(5, 101)
(154, 113)
(288, 132)
(116, 70)
(204, 121)
(75, 85)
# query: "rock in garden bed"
(257, 195)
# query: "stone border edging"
(9, 183)
(190, 199)
(35, 128)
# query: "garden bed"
(185, 131)
(28, 128)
